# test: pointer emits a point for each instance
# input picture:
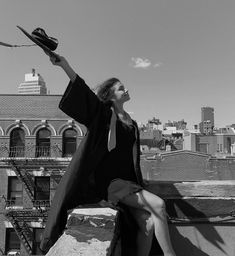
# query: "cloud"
(140, 63)
(157, 65)
(137, 62)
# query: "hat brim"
(45, 48)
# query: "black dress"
(116, 173)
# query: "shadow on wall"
(178, 210)
(182, 245)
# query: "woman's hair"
(104, 92)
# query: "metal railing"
(12, 202)
(17, 152)
(42, 151)
(41, 203)
(31, 151)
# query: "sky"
(174, 56)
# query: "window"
(43, 143)
(69, 142)
(203, 147)
(42, 188)
(221, 147)
(15, 191)
(37, 233)
(229, 143)
(17, 143)
(12, 240)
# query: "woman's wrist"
(69, 70)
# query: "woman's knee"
(153, 201)
(160, 203)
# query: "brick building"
(218, 144)
(207, 120)
(186, 165)
(37, 141)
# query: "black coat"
(78, 185)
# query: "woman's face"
(120, 93)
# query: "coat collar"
(112, 131)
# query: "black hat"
(39, 37)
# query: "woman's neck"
(118, 108)
(122, 114)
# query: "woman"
(106, 164)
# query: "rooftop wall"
(30, 106)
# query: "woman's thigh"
(144, 200)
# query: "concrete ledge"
(89, 232)
(201, 221)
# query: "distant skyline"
(174, 56)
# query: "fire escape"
(20, 218)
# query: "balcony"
(31, 152)
(13, 203)
(19, 204)
(41, 203)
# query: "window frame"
(17, 144)
(43, 144)
(68, 141)
(14, 202)
(37, 193)
(8, 241)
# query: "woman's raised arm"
(60, 61)
(78, 100)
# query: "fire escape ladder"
(30, 187)
(23, 232)
(20, 219)
(25, 178)
(26, 230)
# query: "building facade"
(218, 144)
(186, 165)
(33, 84)
(207, 120)
(37, 141)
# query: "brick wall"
(186, 165)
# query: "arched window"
(17, 143)
(43, 143)
(69, 142)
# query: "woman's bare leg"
(156, 207)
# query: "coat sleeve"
(136, 155)
(80, 102)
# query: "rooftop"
(30, 106)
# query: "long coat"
(78, 185)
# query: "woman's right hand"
(56, 59)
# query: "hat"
(39, 37)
